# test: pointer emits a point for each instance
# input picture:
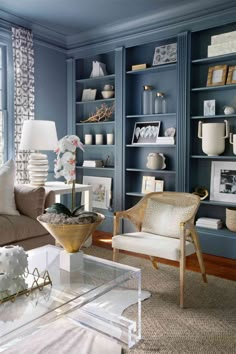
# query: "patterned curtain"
(23, 61)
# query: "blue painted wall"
(50, 89)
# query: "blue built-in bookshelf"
(184, 85)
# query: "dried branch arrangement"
(102, 113)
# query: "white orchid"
(66, 160)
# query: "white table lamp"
(38, 135)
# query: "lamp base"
(38, 169)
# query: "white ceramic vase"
(232, 141)
(156, 161)
(213, 137)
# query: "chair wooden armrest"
(135, 215)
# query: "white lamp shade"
(38, 135)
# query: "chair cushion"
(152, 245)
(7, 180)
(164, 219)
(30, 200)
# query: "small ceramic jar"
(156, 161)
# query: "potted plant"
(71, 228)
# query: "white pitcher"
(232, 141)
(213, 137)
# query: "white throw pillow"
(164, 219)
(7, 180)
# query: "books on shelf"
(139, 67)
(165, 140)
(93, 163)
(224, 43)
(210, 223)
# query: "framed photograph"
(231, 77)
(216, 75)
(146, 132)
(148, 184)
(223, 181)
(159, 185)
(101, 191)
(165, 54)
(89, 95)
(209, 108)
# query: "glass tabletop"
(69, 291)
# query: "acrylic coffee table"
(69, 295)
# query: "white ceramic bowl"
(107, 94)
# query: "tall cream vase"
(232, 141)
(213, 137)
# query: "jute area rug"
(206, 325)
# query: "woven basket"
(231, 219)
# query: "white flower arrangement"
(66, 157)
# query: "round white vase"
(213, 137)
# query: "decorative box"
(223, 48)
(223, 37)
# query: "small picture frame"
(231, 77)
(216, 75)
(89, 95)
(101, 191)
(165, 54)
(209, 107)
(223, 181)
(159, 185)
(148, 184)
(146, 132)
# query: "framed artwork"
(148, 184)
(231, 77)
(165, 54)
(209, 107)
(101, 191)
(159, 185)
(146, 132)
(216, 75)
(89, 95)
(223, 181)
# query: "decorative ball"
(5, 281)
(13, 260)
(16, 285)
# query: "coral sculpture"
(102, 113)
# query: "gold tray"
(33, 281)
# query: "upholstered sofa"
(23, 229)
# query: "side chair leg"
(154, 262)
(182, 265)
(199, 256)
(115, 254)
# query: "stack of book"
(210, 223)
(93, 163)
(165, 140)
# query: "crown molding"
(162, 30)
(42, 34)
(157, 20)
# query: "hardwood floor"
(218, 266)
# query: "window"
(2, 106)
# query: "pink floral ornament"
(64, 165)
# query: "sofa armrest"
(30, 200)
